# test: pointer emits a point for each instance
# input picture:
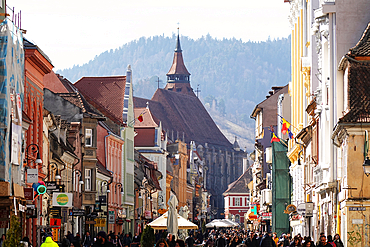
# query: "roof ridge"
(364, 38)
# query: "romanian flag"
(140, 118)
(290, 134)
(274, 138)
(285, 126)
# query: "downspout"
(73, 175)
(280, 114)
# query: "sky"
(73, 32)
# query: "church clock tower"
(178, 77)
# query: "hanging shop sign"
(55, 212)
(62, 199)
(78, 212)
(147, 214)
(29, 193)
(55, 222)
(111, 217)
(100, 222)
(290, 209)
(266, 216)
(32, 175)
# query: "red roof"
(178, 66)
(186, 114)
(240, 185)
(105, 93)
(148, 119)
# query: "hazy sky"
(73, 32)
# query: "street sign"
(111, 217)
(55, 212)
(78, 212)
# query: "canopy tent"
(221, 223)
(161, 223)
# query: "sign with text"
(28, 193)
(78, 212)
(55, 223)
(62, 199)
(55, 212)
(357, 208)
(32, 175)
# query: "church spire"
(178, 71)
(178, 46)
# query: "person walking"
(221, 241)
(338, 241)
(65, 242)
(49, 243)
(296, 242)
(87, 240)
(101, 241)
(267, 241)
(323, 242)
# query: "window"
(237, 202)
(88, 137)
(87, 179)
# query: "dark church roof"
(183, 113)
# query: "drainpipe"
(280, 114)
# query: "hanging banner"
(62, 199)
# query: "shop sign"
(28, 193)
(111, 217)
(90, 222)
(296, 217)
(119, 221)
(122, 213)
(357, 209)
(55, 223)
(55, 232)
(147, 214)
(31, 211)
(62, 199)
(290, 209)
(55, 212)
(266, 216)
(32, 175)
(78, 212)
(100, 222)
(162, 210)
(103, 200)
(357, 221)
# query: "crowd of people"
(102, 239)
(211, 238)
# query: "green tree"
(148, 237)
(14, 234)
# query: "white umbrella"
(233, 223)
(218, 223)
(161, 223)
(172, 221)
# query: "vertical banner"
(11, 98)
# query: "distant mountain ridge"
(232, 76)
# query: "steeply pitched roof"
(184, 113)
(240, 185)
(358, 93)
(178, 66)
(148, 119)
(362, 48)
(105, 93)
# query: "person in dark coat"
(267, 241)
(189, 241)
(337, 241)
(101, 240)
(220, 241)
(70, 237)
(296, 242)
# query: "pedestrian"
(235, 241)
(267, 241)
(65, 242)
(101, 241)
(161, 243)
(49, 243)
(136, 238)
(70, 237)
(179, 243)
(275, 238)
(117, 241)
(323, 242)
(338, 241)
(220, 241)
(2, 240)
(87, 240)
(189, 241)
(126, 240)
(330, 241)
(296, 242)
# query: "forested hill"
(232, 76)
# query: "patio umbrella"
(218, 223)
(172, 221)
(161, 223)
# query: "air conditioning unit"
(266, 197)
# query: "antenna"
(198, 90)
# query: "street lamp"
(107, 191)
(80, 181)
(33, 149)
(119, 185)
(54, 166)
